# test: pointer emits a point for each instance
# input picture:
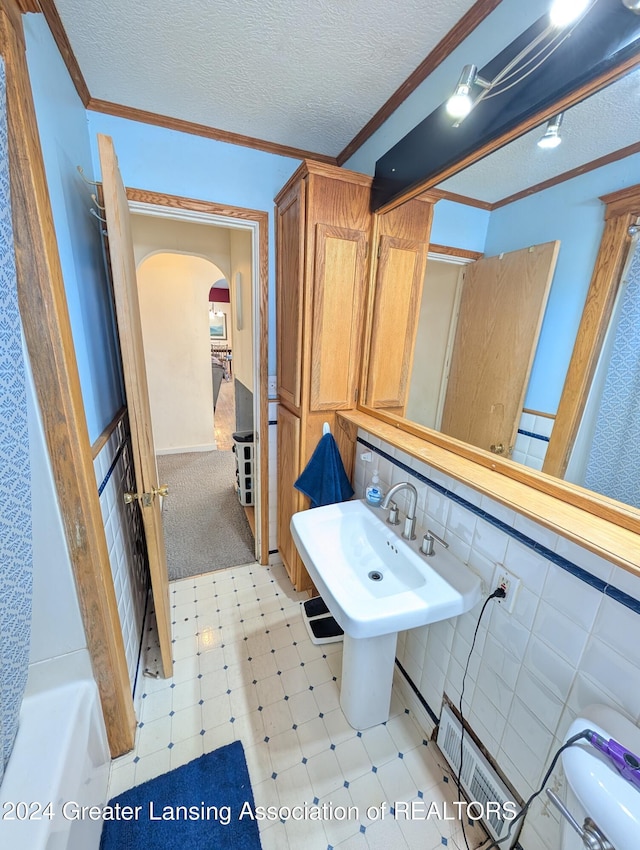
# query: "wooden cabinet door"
(289, 292)
(289, 499)
(501, 312)
(338, 289)
(398, 290)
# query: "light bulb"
(552, 137)
(563, 12)
(547, 142)
(459, 105)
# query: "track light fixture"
(552, 137)
(564, 16)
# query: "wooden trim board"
(47, 330)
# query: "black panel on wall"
(608, 35)
(244, 407)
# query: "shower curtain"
(15, 482)
(613, 467)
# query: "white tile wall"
(530, 450)
(123, 532)
(566, 645)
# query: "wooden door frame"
(461, 259)
(47, 331)
(261, 327)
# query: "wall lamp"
(552, 137)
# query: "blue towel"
(323, 479)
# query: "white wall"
(152, 234)
(174, 311)
(241, 263)
(572, 639)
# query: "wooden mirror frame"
(622, 209)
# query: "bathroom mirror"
(527, 215)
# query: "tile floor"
(246, 669)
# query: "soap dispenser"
(373, 491)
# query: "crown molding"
(134, 114)
(465, 26)
(48, 8)
(614, 156)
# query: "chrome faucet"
(409, 531)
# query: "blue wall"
(65, 145)
(571, 213)
(459, 226)
(176, 163)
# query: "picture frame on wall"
(218, 327)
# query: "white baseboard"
(207, 447)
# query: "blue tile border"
(535, 436)
(564, 564)
(414, 688)
(121, 448)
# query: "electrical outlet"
(511, 585)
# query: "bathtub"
(60, 755)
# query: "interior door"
(123, 271)
(501, 312)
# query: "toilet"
(595, 788)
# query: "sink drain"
(374, 575)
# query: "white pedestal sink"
(376, 584)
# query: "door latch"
(146, 498)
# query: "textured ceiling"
(608, 121)
(310, 75)
(303, 73)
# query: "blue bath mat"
(203, 805)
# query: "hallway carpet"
(205, 526)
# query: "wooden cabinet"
(322, 236)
